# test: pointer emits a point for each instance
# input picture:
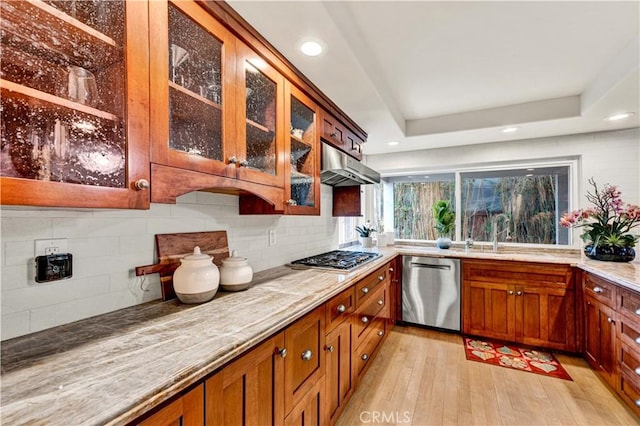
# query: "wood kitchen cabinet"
(185, 410)
(529, 303)
(74, 105)
(302, 160)
(347, 201)
(250, 389)
(339, 352)
(599, 326)
(216, 108)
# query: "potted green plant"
(365, 232)
(445, 219)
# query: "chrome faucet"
(494, 227)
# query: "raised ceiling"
(432, 74)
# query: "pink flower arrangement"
(609, 222)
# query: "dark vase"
(610, 253)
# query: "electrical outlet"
(49, 247)
(272, 237)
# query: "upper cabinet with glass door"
(74, 98)
(303, 185)
(191, 100)
(260, 151)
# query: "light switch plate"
(48, 247)
(272, 237)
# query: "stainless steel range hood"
(339, 169)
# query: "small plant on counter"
(365, 230)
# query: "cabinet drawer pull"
(333, 135)
(244, 163)
(306, 355)
(233, 160)
(365, 290)
(638, 311)
(291, 202)
(390, 269)
(380, 302)
(637, 401)
(365, 319)
(638, 340)
(610, 320)
(364, 357)
(511, 292)
(341, 308)
(597, 290)
(330, 348)
(380, 277)
(381, 333)
(518, 293)
(282, 352)
(637, 371)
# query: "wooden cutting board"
(172, 247)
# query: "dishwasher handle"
(429, 266)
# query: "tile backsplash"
(108, 244)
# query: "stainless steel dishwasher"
(431, 292)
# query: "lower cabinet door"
(187, 410)
(310, 409)
(488, 310)
(304, 363)
(339, 378)
(249, 390)
(599, 339)
(545, 317)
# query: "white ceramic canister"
(197, 278)
(235, 273)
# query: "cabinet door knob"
(333, 135)
(390, 269)
(380, 277)
(610, 320)
(637, 371)
(638, 340)
(364, 357)
(365, 290)
(306, 355)
(518, 293)
(282, 352)
(637, 401)
(233, 160)
(510, 292)
(330, 348)
(291, 202)
(380, 302)
(341, 308)
(381, 333)
(142, 184)
(365, 319)
(638, 311)
(598, 290)
(244, 163)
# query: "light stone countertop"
(114, 367)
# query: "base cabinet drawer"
(377, 307)
(629, 391)
(340, 308)
(368, 347)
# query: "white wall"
(608, 157)
(108, 244)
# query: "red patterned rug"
(510, 356)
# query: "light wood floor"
(421, 377)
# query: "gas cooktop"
(339, 260)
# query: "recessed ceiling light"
(620, 116)
(311, 48)
(510, 129)
(392, 143)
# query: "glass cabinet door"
(189, 90)
(70, 113)
(260, 158)
(303, 183)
